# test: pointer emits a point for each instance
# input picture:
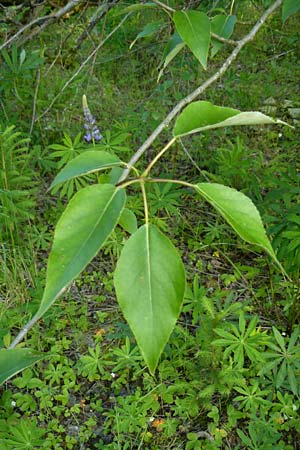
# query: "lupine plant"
(92, 132)
(150, 276)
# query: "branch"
(82, 66)
(101, 11)
(223, 40)
(166, 7)
(28, 25)
(189, 98)
(45, 20)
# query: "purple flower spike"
(92, 131)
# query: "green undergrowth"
(229, 375)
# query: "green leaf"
(194, 29)
(149, 30)
(172, 48)
(12, 361)
(244, 438)
(222, 26)
(173, 42)
(222, 342)
(281, 374)
(293, 340)
(269, 366)
(87, 162)
(150, 283)
(128, 221)
(289, 7)
(253, 354)
(225, 334)
(81, 231)
(251, 326)
(240, 213)
(114, 175)
(238, 355)
(231, 349)
(292, 380)
(201, 116)
(279, 338)
(22, 56)
(242, 323)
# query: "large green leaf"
(289, 7)
(12, 361)
(81, 231)
(150, 282)
(239, 211)
(194, 29)
(201, 116)
(88, 162)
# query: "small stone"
(73, 430)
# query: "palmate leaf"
(202, 116)
(81, 231)
(12, 361)
(194, 29)
(150, 283)
(240, 212)
(88, 162)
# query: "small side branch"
(223, 40)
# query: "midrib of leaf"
(84, 243)
(149, 272)
(100, 217)
(190, 23)
(105, 166)
(96, 225)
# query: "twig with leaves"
(199, 90)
